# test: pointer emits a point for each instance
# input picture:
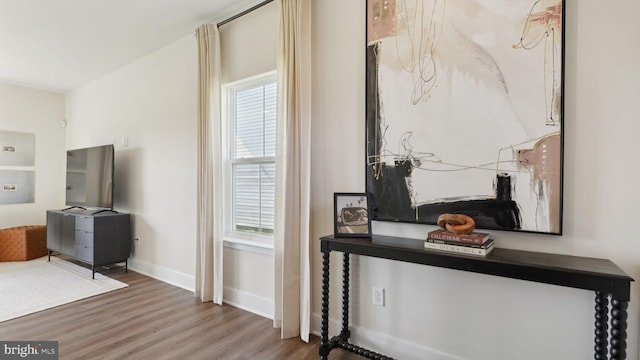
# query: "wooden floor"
(154, 320)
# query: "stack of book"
(475, 243)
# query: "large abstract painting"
(465, 111)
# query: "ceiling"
(63, 44)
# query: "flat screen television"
(90, 177)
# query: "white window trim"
(256, 247)
(237, 239)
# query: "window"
(251, 175)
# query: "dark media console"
(94, 237)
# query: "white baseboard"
(249, 302)
(372, 340)
(169, 276)
(241, 299)
(382, 343)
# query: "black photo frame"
(351, 215)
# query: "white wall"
(150, 106)
(248, 45)
(249, 278)
(152, 103)
(40, 113)
(442, 314)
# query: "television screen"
(90, 177)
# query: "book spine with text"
(473, 238)
(458, 249)
(484, 245)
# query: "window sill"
(248, 245)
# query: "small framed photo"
(351, 215)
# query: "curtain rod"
(256, 7)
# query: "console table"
(602, 276)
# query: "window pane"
(271, 92)
(267, 196)
(252, 150)
(254, 192)
(255, 121)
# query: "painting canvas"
(465, 112)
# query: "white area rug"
(31, 286)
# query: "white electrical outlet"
(378, 296)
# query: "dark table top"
(564, 270)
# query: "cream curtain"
(209, 233)
(292, 284)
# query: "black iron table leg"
(602, 326)
(618, 330)
(345, 334)
(324, 339)
(341, 340)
